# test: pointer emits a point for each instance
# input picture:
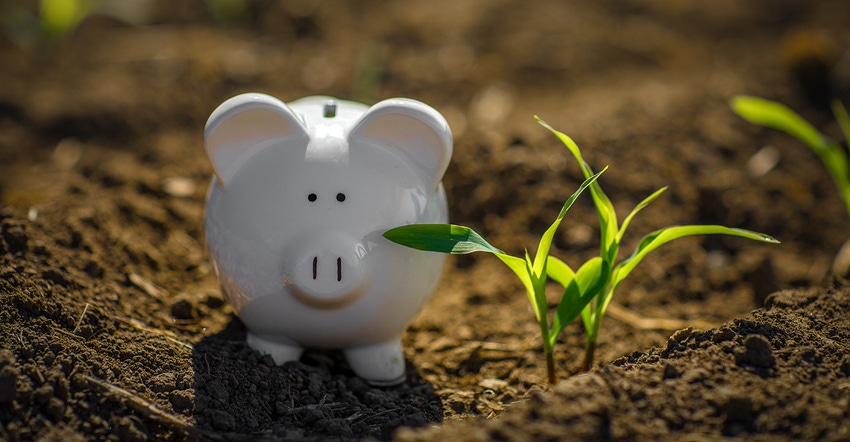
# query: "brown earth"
(113, 326)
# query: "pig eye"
(340, 197)
(312, 197)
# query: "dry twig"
(644, 323)
(140, 405)
(146, 286)
(139, 325)
(67, 333)
(79, 321)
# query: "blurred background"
(112, 90)
(642, 85)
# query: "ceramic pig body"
(295, 214)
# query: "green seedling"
(454, 239)
(587, 291)
(602, 284)
(778, 116)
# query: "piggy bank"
(295, 217)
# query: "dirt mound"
(781, 374)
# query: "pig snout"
(327, 273)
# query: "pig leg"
(280, 352)
(380, 364)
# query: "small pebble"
(493, 384)
(178, 187)
(670, 372)
(763, 161)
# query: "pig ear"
(415, 129)
(245, 124)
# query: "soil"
(113, 325)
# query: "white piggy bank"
(301, 196)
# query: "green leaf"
(778, 116)
(835, 161)
(604, 207)
(571, 145)
(538, 288)
(607, 224)
(549, 235)
(593, 317)
(591, 278)
(541, 305)
(662, 236)
(592, 275)
(647, 201)
(520, 268)
(842, 118)
(570, 300)
(443, 238)
(843, 181)
(560, 271)
(840, 170)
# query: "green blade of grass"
(843, 120)
(604, 207)
(560, 271)
(569, 300)
(571, 145)
(520, 268)
(454, 239)
(660, 237)
(778, 116)
(589, 280)
(443, 238)
(549, 235)
(538, 282)
(843, 182)
(835, 161)
(541, 304)
(647, 201)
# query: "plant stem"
(589, 349)
(550, 367)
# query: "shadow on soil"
(241, 394)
